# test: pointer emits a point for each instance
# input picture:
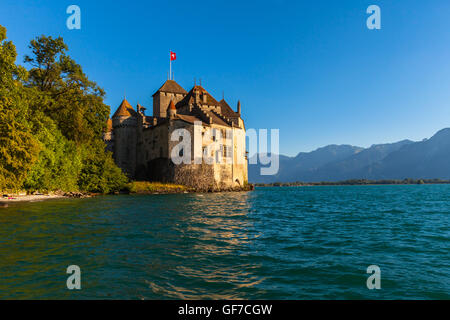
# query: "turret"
(125, 137)
(171, 110)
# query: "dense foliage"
(52, 118)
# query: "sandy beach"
(31, 198)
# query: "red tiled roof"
(125, 110)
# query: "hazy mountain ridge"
(427, 159)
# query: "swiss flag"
(173, 56)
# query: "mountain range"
(427, 159)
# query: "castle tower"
(124, 123)
(170, 90)
(171, 110)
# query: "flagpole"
(170, 63)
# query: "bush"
(100, 173)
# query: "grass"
(153, 187)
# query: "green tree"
(75, 104)
(100, 173)
(59, 163)
(68, 96)
(18, 147)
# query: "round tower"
(124, 123)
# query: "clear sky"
(309, 68)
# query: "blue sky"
(309, 68)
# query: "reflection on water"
(280, 243)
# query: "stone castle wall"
(125, 143)
(161, 101)
(154, 154)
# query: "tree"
(59, 162)
(51, 123)
(67, 95)
(75, 104)
(18, 147)
(100, 173)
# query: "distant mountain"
(304, 164)
(356, 166)
(427, 159)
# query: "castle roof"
(172, 87)
(190, 97)
(172, 105)
(125, 110)
(215, 118)
(226, 110)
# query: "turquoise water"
(273, 243)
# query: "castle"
(143, 146)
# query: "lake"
(272, 243)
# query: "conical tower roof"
(125, 110)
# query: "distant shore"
(361, 182)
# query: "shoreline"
(142, 189)
(18, 198)
(29, 198)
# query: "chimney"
(197, 95)
(239, 107)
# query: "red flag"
(173, 56)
